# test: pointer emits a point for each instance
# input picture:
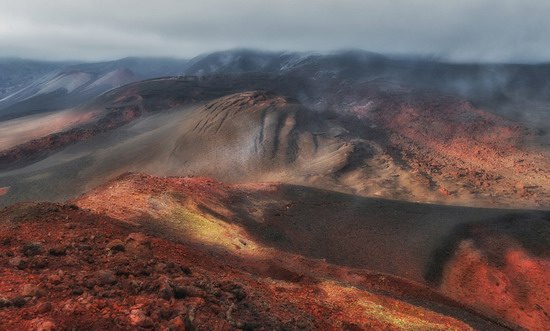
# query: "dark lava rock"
(18, 301)
(116, 246)
(4, 302)
(165, 289)
(77, 291)
(32, 249)
(84, 247)
(71, 207)
(19, 262)
(186, 270)
(89, 283)
(239, 293)
(181, 292)
(106, 277)
(39, 263)
(57, 251)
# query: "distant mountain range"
(507, 87)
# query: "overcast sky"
(458, 30)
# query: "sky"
(455, 30)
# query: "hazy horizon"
(483, 31)
(412, 57)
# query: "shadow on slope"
(403, 239)
(162, 278)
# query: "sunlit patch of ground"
(180, 265)
(4, 190)
(20, 130)
(518, 290)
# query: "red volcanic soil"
(494, 265)
(96, 265)
(464, 152)
(505, 256)
(500, 289)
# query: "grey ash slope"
(241, 137)
(16, 73)
(61, 91)
(42, 87)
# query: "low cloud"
(467, 30)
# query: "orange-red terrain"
(142, 252)
(452, 150)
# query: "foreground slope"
(472, 255)
(169, 253)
